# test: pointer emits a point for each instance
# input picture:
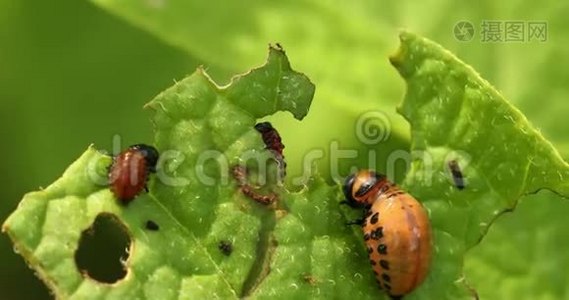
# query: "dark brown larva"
(273, 142)
(240, 174)
(129, 172)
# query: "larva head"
(264, 127)
(360, 188)
(150, 155)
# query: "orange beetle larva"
(396, 230)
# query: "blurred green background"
(74, 73)
(70, 75)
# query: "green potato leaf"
(182, 260)
(456, 115)
(298, 247)
(524, 252)
(202, 130)
(327, 31)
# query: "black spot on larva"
(375, 272)
(377, 233)
(374, 218)
(382, 249)
(151, 225)
(372, 262)
(366, 237)
(387, 286)
(395, 194)
(398, 297)
(369, 250)
(384, 264)
(368, 213)
(385, 277)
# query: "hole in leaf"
(103, 249)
